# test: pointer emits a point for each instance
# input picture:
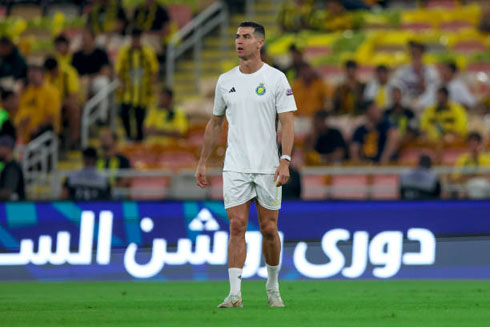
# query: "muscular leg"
(271, 248)
(237, 250)
(271, 244)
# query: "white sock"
(272, 278)
(235, 275)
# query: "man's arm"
(287, 139)
(211, 135)
(391, 145)
(354, 149)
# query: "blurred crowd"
(49, 93)
(355, 121)
(416, 103)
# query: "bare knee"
(238, 226)
(268, 229)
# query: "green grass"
(308, 303)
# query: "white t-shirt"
(251, 103)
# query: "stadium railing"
(92, 110)
(39, 158)
(191, 37)
(318, 183)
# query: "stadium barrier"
(39, 158)
(91, 113)
(187, 240)
(318, 183)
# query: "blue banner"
(188, 240)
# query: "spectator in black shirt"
(91, 61)
(87, 184)
(11, 178)
(93, 66)
(376, 140)
(420, 183)
(8, 107)
(326, 141)
(12, 63)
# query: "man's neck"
(250, 66)
(89, 50)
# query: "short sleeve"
(284, 96)
(219, 102)
(104, 59)
(152, 58)
(119, 60)
(181, 123)
(151, 118)
(73, 81)
(124, 162)
(358, 136)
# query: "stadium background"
(342, 218)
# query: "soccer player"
(252, 96)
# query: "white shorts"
(239, 188)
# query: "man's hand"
(200, 176)
(281, 176)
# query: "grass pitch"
(308, 303)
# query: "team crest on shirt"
(260, 90)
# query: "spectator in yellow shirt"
(39, 107)
(295, 16)
(310, 91)
(137, 70)
(445, 120)
(348, 95)
(107, 16)
(62, 50)
(165, 123)
(472, 160)
(65, 79)
(337, 18)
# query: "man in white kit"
(253, 96)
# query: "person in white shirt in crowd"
(254, 97)
(458, 91)
(418, 81)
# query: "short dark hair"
(50, 64)
(474, 136)
(425, 161)
(61, 39)
(452, 66)
(417, 45)
(4, 40)
(382, 68)
(294, 48)
(5, 94)
(89, 153)
(444, 90)
(350, 64)
(258, 29)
